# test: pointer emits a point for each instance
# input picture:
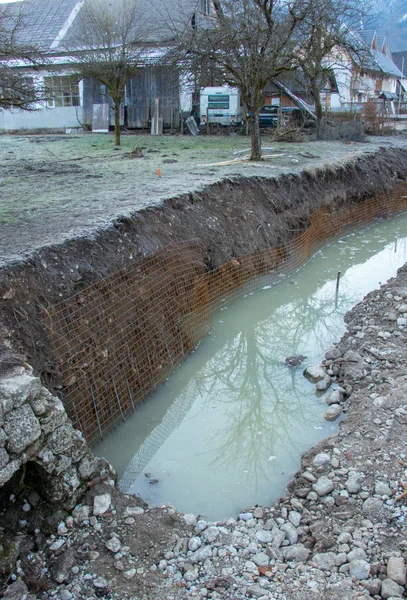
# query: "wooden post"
(156, 111)
(181, 114)
(208, 130)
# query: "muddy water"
(227, 430)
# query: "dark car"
(269, 115)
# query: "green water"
(227, 430)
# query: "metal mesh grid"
(119, 339)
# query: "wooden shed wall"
(141, 91)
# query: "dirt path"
(56, 187)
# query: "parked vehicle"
(221, 105)
(269, 115)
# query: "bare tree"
(109, 41)
(247, 43)
(17, 89)
(330, 41)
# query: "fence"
(119, 339)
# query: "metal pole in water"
(338, 278)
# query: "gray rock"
(129, 574)
(359, 569)
(194, 543)
(294, 517)
(354, 482)
(246, 516)
(256, 591)
(191, 575)
(352, 356)
(391, 588)
(61, 439)
(382, 489)
(200, 555)
(325, 560)
(61, 569)
(314, 373)
(22, 429)
(100, 583)
(263, 536)
(332, 353)
(324, 383)
(113, 545)
(81, 513)
(323, 486)
(3, 437)
(4, 458)
(335, 397)
(396, 569)
(7, 473)
(341, 559)
(190, 519)
(16, 591)
(101, 504)
(20, 388)
(210, 534)
(132, 511)
(372, 506)
(290, 532)
(261, 559)
(373, 586)
(278, 537)
(321, 459)
(357, 554)
(296, 553)
(333, 412)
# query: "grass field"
(52, 186)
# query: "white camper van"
(221, 105)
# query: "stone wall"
(35, 433)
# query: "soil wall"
(225, 221)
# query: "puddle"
(227, 430)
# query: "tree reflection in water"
(237, 405)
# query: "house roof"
(400, 59)
(386, 65)
(46, 22)
(41, 20)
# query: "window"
(62, 91)
(206, 6)
(220, 101)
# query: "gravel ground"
(338, 534)
(57, 187)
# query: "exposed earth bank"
(339, 533)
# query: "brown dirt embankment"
(228, 219)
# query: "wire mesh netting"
(119, 339)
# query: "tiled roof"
(42, 20)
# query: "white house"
(71, 103)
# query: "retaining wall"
(37, 436)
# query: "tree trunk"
(255, 137)
(117, 124)
(318, 111)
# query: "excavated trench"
(104, 320)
